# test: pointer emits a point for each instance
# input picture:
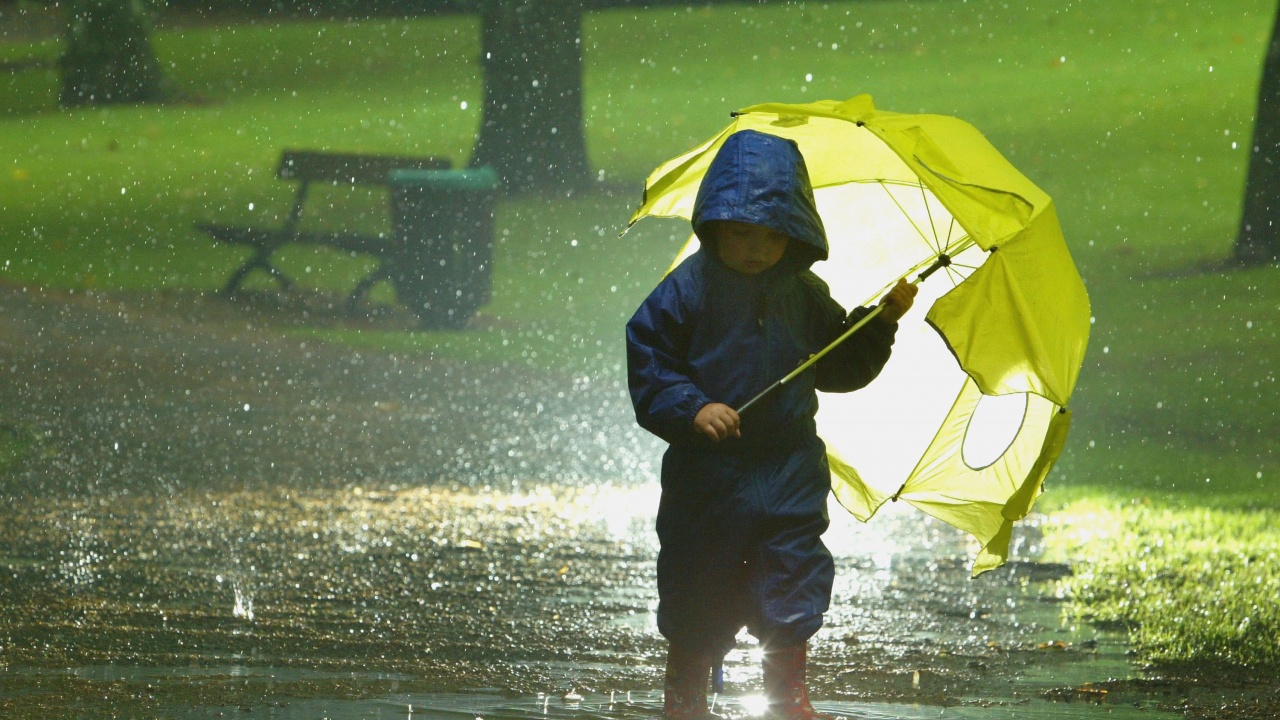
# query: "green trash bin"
(442, 267)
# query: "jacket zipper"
(762, 321)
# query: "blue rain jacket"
(740, 521)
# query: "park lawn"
(1135, 117)
(1190, 584)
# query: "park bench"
(310, 168)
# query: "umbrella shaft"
(875, 311)
(943, 261)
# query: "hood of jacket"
(761, 179)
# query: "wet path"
(211, 519)
(193, 393)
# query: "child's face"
(746, 248)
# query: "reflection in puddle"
(638, 706)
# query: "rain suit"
(740, 521)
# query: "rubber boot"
(784, 685)
(684, 691)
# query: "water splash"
(79, 564)
(244, 601)
(243, 593)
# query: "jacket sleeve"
(857, 361)
(658, 335)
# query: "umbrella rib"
(906, 215)
(924, 197)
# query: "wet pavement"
(205, 517)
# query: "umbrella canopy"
(967, 419)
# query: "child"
(744, 500)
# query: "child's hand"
(717, 421)
(898, 301)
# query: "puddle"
(402, 596)
(647, 705)
(120, 673)
(278, 528)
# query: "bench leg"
(362, 288)
(261, 260)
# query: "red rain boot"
(784, 686)
(684, 692)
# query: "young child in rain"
(744, 499)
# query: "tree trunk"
(1258, 242)
(108, 56)
(531, 129)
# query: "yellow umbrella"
(967, 419)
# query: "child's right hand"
(717, 421)
(898, 301)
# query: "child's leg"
(684, 687)
(703, 598)
(791, 578)
(791, 571)
(794, 589)
(702, 586)
(784, 683)
(700, 621)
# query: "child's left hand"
(898, 301)
(717, 421)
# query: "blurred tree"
(531, 128)
(1258, 241)
(108, 56)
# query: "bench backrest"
(350, 168)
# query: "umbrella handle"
(943, 261)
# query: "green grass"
(126, 184)
(1133, 116)
(1190, 584)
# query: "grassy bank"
(1134, 116)
(1191, 585)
